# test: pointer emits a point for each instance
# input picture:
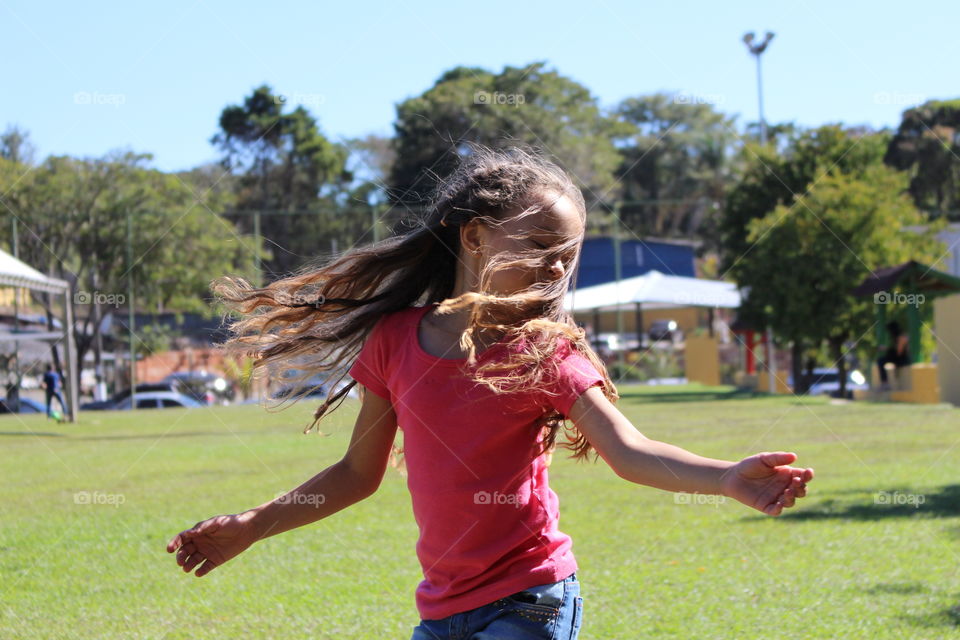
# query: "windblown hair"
(317, 319)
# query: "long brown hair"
(317, 319)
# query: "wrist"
(252, 521)
(727, 474)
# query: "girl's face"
(558, 221)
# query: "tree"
(282, 164)
(16, 147)
(677, 165)
(808, 254)
(72, 218)
(771, 177)
(927, 145)
(529, 105)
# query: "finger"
(788, 499)
(800, 489)
(194, 560)
(773, 509)
(185, 552)
(178, 541)
(777, 458)
(206, 567)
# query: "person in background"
(52, 384)
(897, 352)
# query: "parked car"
(120, 396)
(318, 385)
(27, 405)
(203, 387)
(160, 400)
(662, 330)
(826, 381)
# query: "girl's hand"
(215, 541)
(762, 483)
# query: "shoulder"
(395, 324)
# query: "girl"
(457, 334)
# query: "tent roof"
(15, 273)
(655, 290)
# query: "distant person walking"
(52, 384)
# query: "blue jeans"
(552, 611)
(50, 396)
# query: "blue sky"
(85, 78)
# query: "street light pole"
(757, 48)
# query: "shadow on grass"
(897, 588)
(48, 434)
(691, 395)
(947, 617)
(899, 502)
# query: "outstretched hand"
(213, 542)
(764, 482)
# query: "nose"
(556, 268)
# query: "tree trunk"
(836, 348)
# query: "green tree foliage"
(678, 163)
(72, 224)
(770, 177)
(529, 105)
(808, 254)
(282, 163)
(927, 145)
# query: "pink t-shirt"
(487, 516)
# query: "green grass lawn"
(847, 562)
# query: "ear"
(472, 235)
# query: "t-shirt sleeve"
(575, 374)
(370, 367)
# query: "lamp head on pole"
(760, 47)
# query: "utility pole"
(757, 48)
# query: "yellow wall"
(780, 380)
(920, 384)
(946, 322)
(702, 360)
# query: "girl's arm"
(216, 540)
(759, 481)
(355, 477)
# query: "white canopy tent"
(15, 273)
(654, 290)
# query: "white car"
(160, 400)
